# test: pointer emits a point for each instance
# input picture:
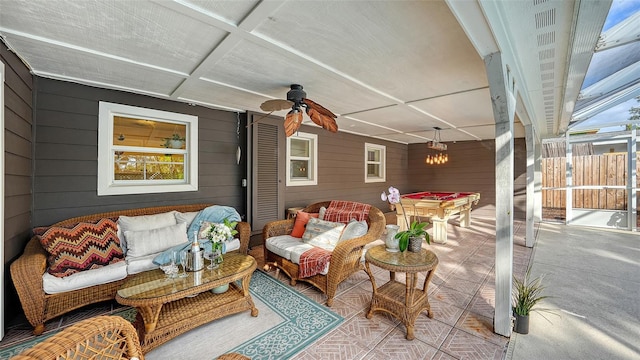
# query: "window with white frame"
(143, 150)
(375, 163)
(302, 159)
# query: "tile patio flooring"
(461, 296)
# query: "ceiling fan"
(297, 99)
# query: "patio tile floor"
(461, 295)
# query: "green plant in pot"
(416, 230)
(526, 294)
(175, 141)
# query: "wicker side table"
(404, 301)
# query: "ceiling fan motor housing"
(296, 94)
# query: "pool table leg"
(439, 230)
(465, 217)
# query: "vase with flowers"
(218, 234)
(415, 232)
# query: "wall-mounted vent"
(545, 18)
(538, 2)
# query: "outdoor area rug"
(286, 324)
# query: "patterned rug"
(286, 324)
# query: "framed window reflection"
(375, 163)
(302, 155)
(145, 151)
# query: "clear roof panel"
(613, 79)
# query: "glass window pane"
(128, 131)
(299, 148)
(148, 166)
(373, 170)
(373, 155)
(299, 169)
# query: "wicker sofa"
(97, 338)
(28, 270)
(345, 257)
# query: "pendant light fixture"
(437, 154)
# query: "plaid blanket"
(313, 261)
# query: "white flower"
(218, 233)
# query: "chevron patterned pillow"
(84, 246)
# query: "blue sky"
(620, 10)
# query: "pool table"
(438, 206)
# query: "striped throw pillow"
(84, 246)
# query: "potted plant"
(175, 141)
(526, 294)
(415, 231)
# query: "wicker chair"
(27, 271)
(345, 258)
(97, 338)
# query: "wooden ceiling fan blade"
(314, 116)
(276, 105)
(322, 120)
(319, 108)
(292, 122)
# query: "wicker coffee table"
(404, 301)
(169, 307)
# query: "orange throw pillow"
(302, 218)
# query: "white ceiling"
(390, 69)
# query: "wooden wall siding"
(341, 170)
(471, 167)
(66, 151)
(18, 113)
(590, 170)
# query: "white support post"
(530, 204)
(537, 212)
(503, 103)
(632, 187)
(569, 181)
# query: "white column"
(530, 205)
(537, 181)
(632, 187)
(503, 103)
(569, 181)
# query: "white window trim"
(313, 158)
(106, 181)
(383, 162)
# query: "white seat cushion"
(83, 279)
(282, 244)
(231, 245)
(137, 264)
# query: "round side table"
(404, 301)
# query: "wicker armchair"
(345, 258)
(27, 271)
(97, 338)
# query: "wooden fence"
(588, 170)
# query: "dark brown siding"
(341, 170)
(66, 166)
(471, 167)
(18, 120)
